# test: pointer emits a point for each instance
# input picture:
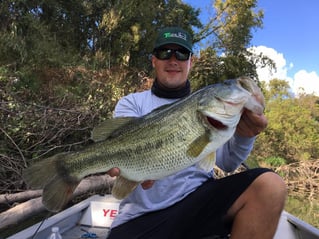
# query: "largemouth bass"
(159, 144)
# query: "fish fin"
(51, 175)
(162, 107)
(123, 187)
(208, 162)
(58, 192)
(198, 145)
(106, 128)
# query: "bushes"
(275, 161)
(51, 111)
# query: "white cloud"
(302, 81)
(306, 82)
(267, 74)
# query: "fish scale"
(161, 143)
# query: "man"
(192, 204)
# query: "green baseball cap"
(174, 35)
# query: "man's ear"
(153, 61)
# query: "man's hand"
(251, 124)
(113, 172)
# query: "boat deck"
(73, 222)
(83, 232)
(95, 214)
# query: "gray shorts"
(201, 214)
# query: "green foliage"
(206, 69)
(27, 42)
(226, 56)
(234, 22)
(275, 161)
(128, 29)
(278, 90)
(210, 68)
(106, 34)
(293, 129)
(304, 208)
(40, 117)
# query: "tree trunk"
(34, 206)
(19, 197)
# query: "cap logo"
(174, 35)
(177, 35)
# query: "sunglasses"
(165, 54)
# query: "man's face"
(172, 73)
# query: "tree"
(28, 40)
(278, 90)
(234, 22)
(293, 127)
(128, 29)
(230, 33)
(110, 33)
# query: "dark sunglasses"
(165, 54)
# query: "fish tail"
(53, 176)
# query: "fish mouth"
(216, 123)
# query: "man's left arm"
(237, 149)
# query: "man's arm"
(237, 149)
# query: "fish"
(161, 143)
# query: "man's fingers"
(251, 124)
(113, 172)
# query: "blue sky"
(289, 36)
(291, 27)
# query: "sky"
(290, 37)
